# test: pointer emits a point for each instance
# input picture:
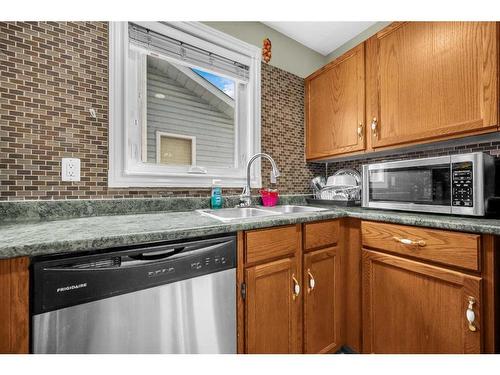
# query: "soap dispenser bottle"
(216, 196)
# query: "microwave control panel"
(462, 191)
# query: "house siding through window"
(187, 110)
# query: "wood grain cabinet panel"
(14, 306)
(266, 244)
(432, 80)
(321, 234)
(272, 312)
(335, 106)
(322, 314)
(411, 307)
(446, 247)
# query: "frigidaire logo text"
(71, 287)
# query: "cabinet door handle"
(312, 282)
(374, 126)
(471, 315)
(406, 241)
(296, 288)
(360, 130)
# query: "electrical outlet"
(70, 169)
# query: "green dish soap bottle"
(216, 197)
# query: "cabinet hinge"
(243, 290)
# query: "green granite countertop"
(88, 233)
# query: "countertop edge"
(128, 239)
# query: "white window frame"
(160, 134)
(126, 165)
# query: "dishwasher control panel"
(74, 280)
(214, 261)
(161, 271)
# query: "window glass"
(190, 103)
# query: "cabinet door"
(14, 306)
(411, 307)
(335, 107)
(432, 80)
(273, 308)
(322, 316)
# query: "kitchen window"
(184, 106)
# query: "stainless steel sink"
(228, 214)
(292, 209)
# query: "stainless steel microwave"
(453, 184)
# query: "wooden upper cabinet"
(431, 81)
(272, 309)
(335, 106)
(414, 308)
(322, 304)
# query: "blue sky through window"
(224, 84)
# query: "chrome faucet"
(245, 197)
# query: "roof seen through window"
(223, 84)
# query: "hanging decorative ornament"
(266, 50)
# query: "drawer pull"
(312, 282)
(471, 315)
(296, 288)
(406, 241)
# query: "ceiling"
(322, 37)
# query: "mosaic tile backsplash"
(491, 146)
(52, 72)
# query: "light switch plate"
(70, 169)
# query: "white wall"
(372, 30)
(287, 54)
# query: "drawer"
(264, 244)
(451, 248)
(321, 234)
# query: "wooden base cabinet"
(411, 290)
(270, 290)
(412, 307)
(289, 294)
(14, 306)
(321, 301)
(273, 306)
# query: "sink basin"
(228, 214)
(291, 209)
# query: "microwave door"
(410, 187)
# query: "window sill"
(146, 180)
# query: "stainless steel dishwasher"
(163, 298)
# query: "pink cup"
(269, 198)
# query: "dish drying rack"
(342, 188)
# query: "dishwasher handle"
(157, 254)
(143, 259)
(176, 254)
